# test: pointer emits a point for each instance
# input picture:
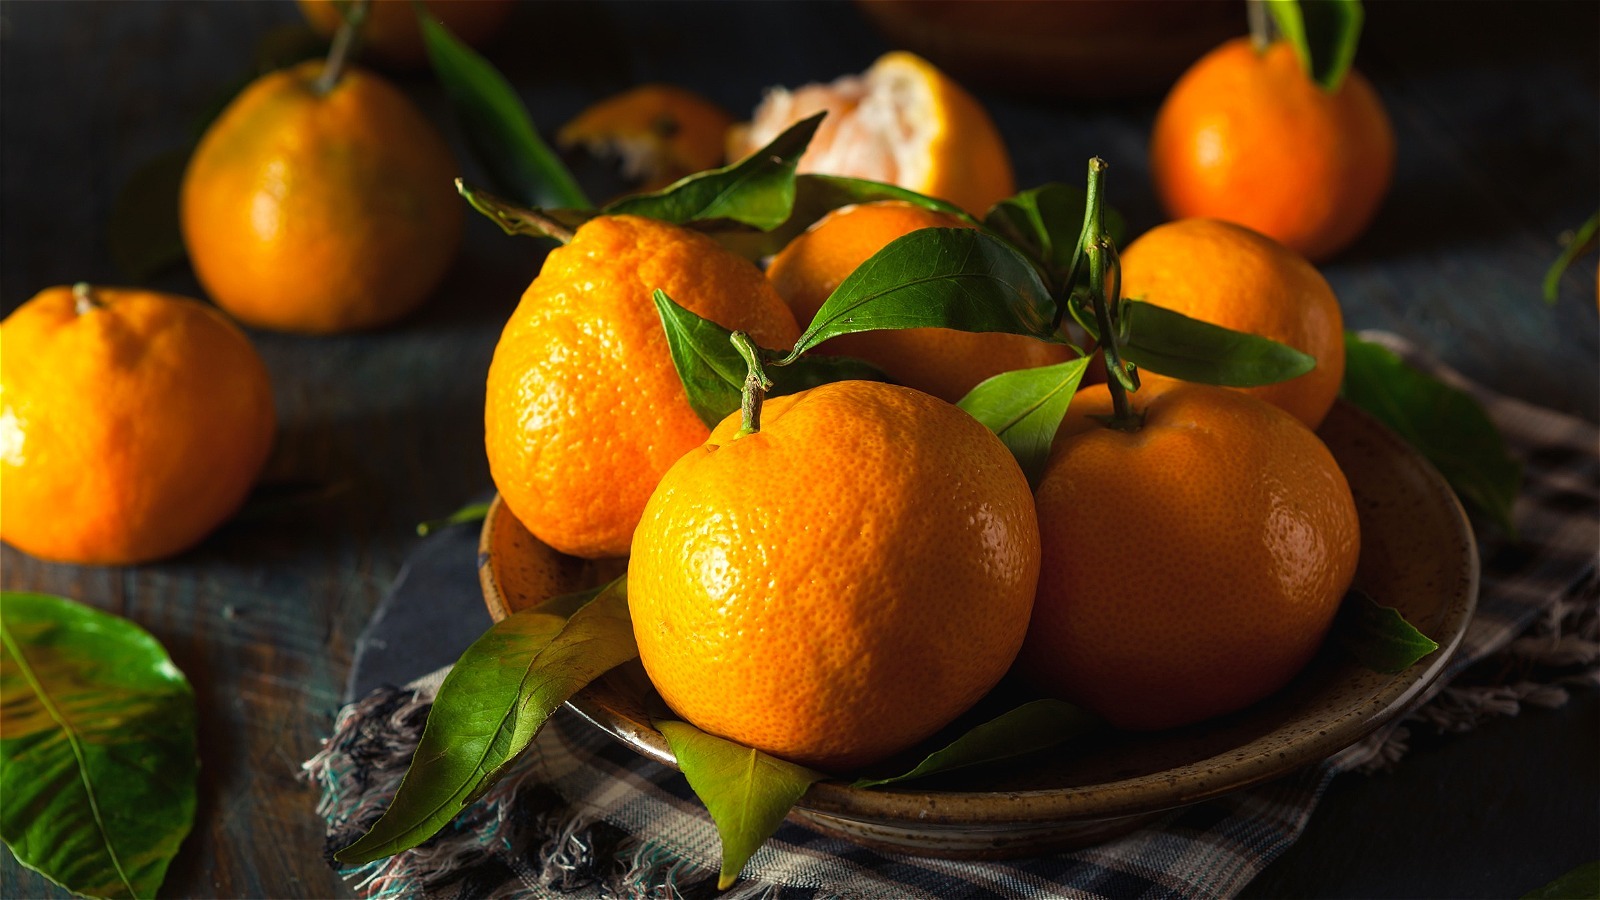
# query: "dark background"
(1496, 108)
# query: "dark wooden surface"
(1497, 112)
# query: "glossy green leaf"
(98, 764)
(1025, 408)
(746, 791)
(490, 707)
(1378, 636)
(1030, 727)
(757, 190)
(713, 373)
(1047, 223)
(472, 512)
(1171, 343)
(1324, 34)
(957, 278)
(496, 124)
(142, 231)
(1444, 424)
(1580, 242)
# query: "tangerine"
(944, 362)
(840, 584)
(1231, 276)
(320, 212)
(132, 424)
(1249, 137)
(659, 132)
(391, 32)
(584, 409)
(1190, 567)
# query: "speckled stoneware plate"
(1417, 554)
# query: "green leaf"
(490, 707)
(757, 190)
(496, 125)
(98, 764)
(815, 196)
(1324, 34)
(713, 373)
(1444, 424)
(1025, 408)
(1584, 881)
(142, 231)
(1029, 727)
(1046, 222)
(1171, 343)
(746, 791)
(1580, 243)
(472, 512)
(1378, 636)
(957, 278)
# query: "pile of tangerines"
(829, 576)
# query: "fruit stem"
(344, 44)
(756, 385)
(512, 218)
(85, 299)
(1262, 30)
(1102, 257)
(1091, 213)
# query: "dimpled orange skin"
(584, 409)
(320, 214)
(391, 30)
(842, 583)
(1231, 276)
(1190, 568)
(944, 362)
(1251, 138)
(129, 431)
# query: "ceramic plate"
(1417, 554)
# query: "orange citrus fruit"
(1250, 138)
(317, 213)
(391, 31)
(903, 122)
(1191, 567)
(1231, 276)
(585, 410)
(837, 586)
(659, 132)
(132, 423)
(944, 362)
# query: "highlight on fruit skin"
(903, 122)
(944, 362)
(132, 424)
(840, 584)
(658, 132)
(1249, 137)
(1190, 567)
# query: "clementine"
(1249, 137)
(660, 133)
(841, 583)
(1231, 276)
(1189, 567)
(391, 33)
(132, 423)
(585, 410)
(944, 362)
(320, 212)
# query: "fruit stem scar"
(344, 44)
(512, 218)
(756, 385)
(84, 299)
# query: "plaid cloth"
(582, 815)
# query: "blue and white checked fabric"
(582, 815)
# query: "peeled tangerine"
(1190, 567)
(840, 584)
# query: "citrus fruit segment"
(584, 409)
(902, 122)
(132, 423)
(840, 584)
(1191, 567)
(1231, 276)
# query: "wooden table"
(1495, 110)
